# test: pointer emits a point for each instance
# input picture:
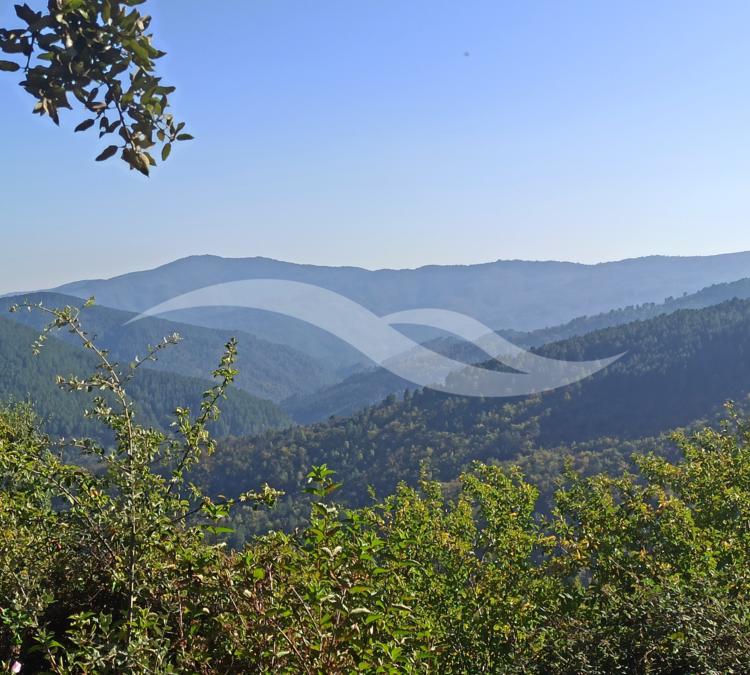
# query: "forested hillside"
(677, 369)
(26, 377)
(628, 576)
(480, 571)
(371, 386)
(711, 295)
(267, 370)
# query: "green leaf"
(107, 153)
(86, 124)
(184, 137)
(165, 151)
(25, 13)
(9, 66)
(221, 530)
(46, 41)
(117, 68)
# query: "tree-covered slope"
(267, 370)
(24, 376)
(706, 297)
(369, 387)
(630, 574)
(677, 369)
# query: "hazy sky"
(361, 133)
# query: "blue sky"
(340, 132)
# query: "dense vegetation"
(372, 386)
(118, 571)
(267, 370)
(678, 368)
(706, 297)
(25, 377)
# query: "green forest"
(29, 378)
(373, 385)
(472, 554)
(678, 370)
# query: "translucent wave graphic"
(375, 337)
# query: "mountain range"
(314, 375)
(517, 295)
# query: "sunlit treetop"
(100, 54)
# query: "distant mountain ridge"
(517, 295)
